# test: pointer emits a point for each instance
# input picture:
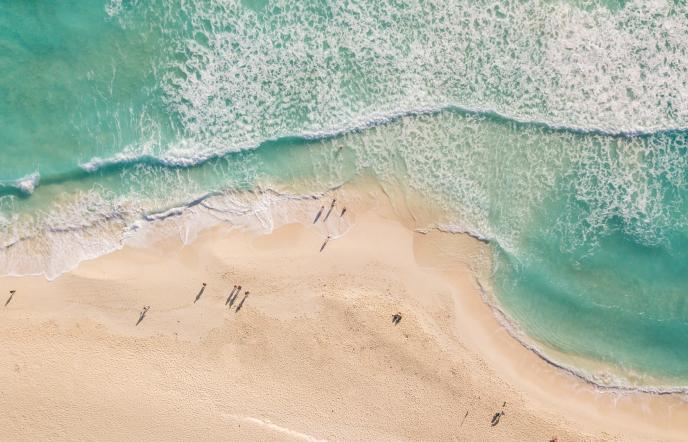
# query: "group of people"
(231, 299)
(329, 212)
(498, 415)
(233, 295)
(396, 318)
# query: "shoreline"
(615, 386)
(451, 319)
(632, 413)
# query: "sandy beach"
(310, 353)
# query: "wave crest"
(24, 185)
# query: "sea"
(556, 131)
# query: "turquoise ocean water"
(557, 130)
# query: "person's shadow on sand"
(496, 417)
(241, 304)
(317, 217)
(229, 300)
(236, 295)
(325, 243)
(198, 296)
(12, 292)
(143, 314)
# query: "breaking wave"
(25, 185)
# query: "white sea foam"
(450, 228)
(29, 182)
(93, 223)
(97, 163)
(26, 184)
(302, 68)
(240, 77)
(173, 157)
(188, 153)
(113, 8)
(497, 178)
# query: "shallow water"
(556, 130)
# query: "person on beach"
(325, 243)
(143, 313)
(12, 292)
(241, 304)
(198, 296)
(497, 417)
(343, 212)
(229, 298)
(234, 298)
(464, 418)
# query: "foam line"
(175, 160)
(171, 160)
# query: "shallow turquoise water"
(556, 130)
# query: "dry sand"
(311, 355)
